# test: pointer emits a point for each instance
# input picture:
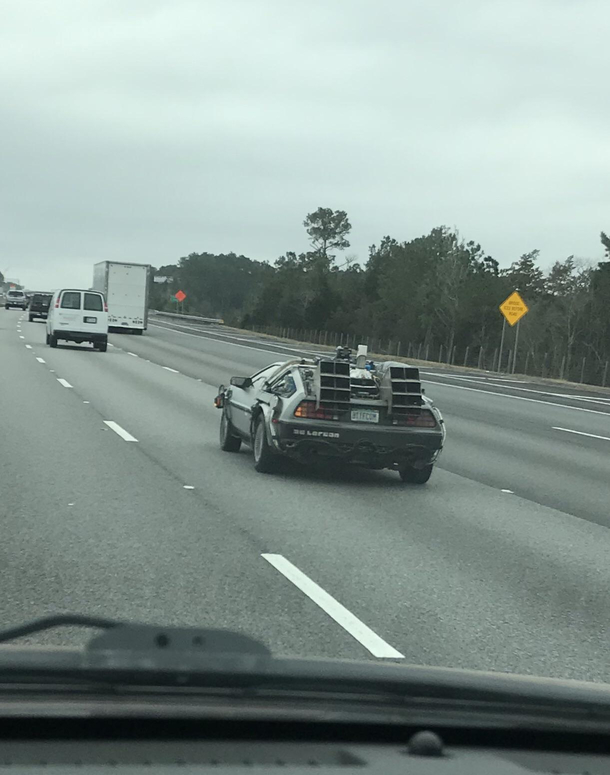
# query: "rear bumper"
(378, 446)
(80, 336)
(39, 314)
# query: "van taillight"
(105, 306)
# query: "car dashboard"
(134, 746)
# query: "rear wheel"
(229, 442)
(415, 475)
(265, 461)
(101, 346)
(31, 318)
(48, 339)
(53, 340)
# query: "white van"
(77, 315)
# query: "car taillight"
(57, 302)
(424, 419)
(308, 411)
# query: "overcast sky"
(144, 130)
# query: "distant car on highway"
(39, 306)
(77, 315)
(15, 298)
(348, 409)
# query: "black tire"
(265, 460)
(48, 340)
(53, 340)
(229, 442)
(31, 318)
(6, 306)
(101, 346)
(138, 331)
(412, 475)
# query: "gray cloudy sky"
(145, 129)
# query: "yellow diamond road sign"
(514, 308)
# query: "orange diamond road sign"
(180, 296)
(514, 308)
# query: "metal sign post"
(513, 309)
(501, 344)
(516, 343)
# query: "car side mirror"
(241, 382)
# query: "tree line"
(434, 297)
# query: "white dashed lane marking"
(125, 435)
(167, 368)
(346, 619)
(41, 360)
(64, 382)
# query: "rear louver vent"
(400, 387)
(405, 387)
(334, 386)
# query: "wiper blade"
(51, 622)
(129, 637)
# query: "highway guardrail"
(181, 316)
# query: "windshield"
(328, 357)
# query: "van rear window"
(93, 301)
(70, 300)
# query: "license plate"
(90, 320)
(365, 415)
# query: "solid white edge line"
(517, 398)
(581, 433)
(167, 368)
(429, 381)
(125, 435)
(346, 619)
(234, 344)
(599, 400)
(64, 382)
(41, 360)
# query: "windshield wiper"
(131, 656)
(129, 637)
(51, 622)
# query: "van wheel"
(265, 460)
(53, 340)
(31, 318)
(229, 442)
(412, 475)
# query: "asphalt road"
(501, 562)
